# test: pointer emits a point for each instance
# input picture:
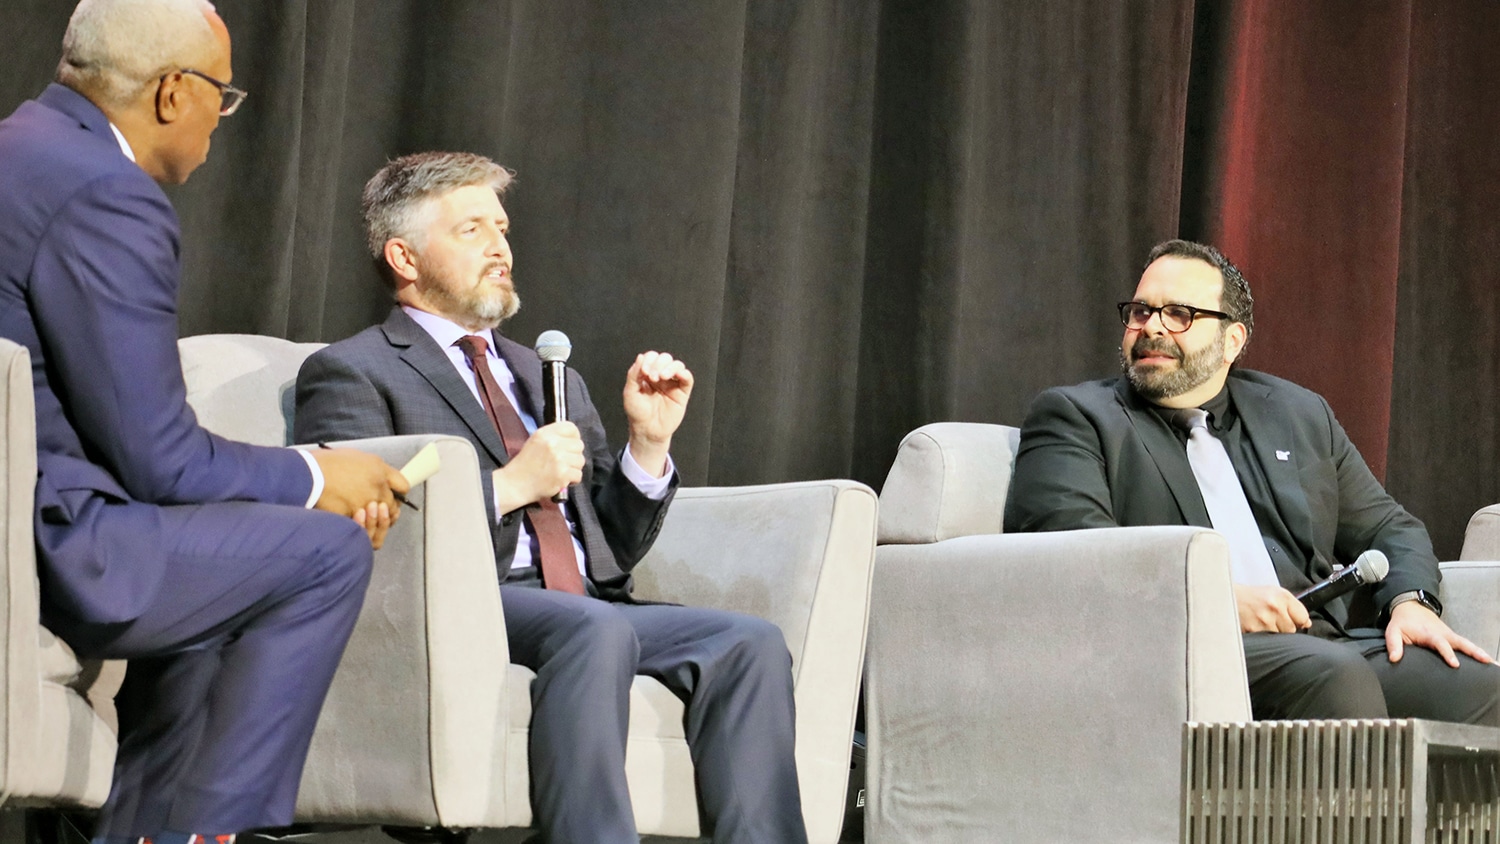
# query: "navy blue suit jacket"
(88, 283)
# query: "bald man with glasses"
(1185, 437)
(229, 575)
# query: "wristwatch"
(1421, 596)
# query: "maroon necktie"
(558, 563)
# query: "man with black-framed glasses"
(1185, 437)
(229, 575)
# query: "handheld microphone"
(1371, 567)
(554, 347)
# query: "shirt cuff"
(317, 477)
(652, 487)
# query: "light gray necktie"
(1250, 564)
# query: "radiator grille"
(1344, 782)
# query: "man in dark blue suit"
(211, 565)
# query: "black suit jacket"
(1096, 455)
(393, 379)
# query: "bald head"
(114, 47)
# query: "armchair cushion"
(1482, 538)
(951, 479)
(230, 378)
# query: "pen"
(394, 494)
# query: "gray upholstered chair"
(1037, 683)
(57, 740)
(1471, 586)
(1033, 687)
(1482, 537)
(426, 722)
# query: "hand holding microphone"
(552, 457)
(554, 348)
(1272, 609)
(1371, 567)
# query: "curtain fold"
(853, 218)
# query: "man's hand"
(359, 485)
(656, 396)
(549, 460)
(1413, 624)
(1269, 609)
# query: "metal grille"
(1344, 782)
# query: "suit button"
(507, 519)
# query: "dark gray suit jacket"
(1095, 455)
(393, 379)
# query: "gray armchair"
(426, 722)
(1471, 586)
(57, 739)
(1033, 687)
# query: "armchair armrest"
(798, 555)
(1471, 601)
(1006, 674)
(411, 724)
(1482, 537)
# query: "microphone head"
(553, 346)
(1372, 566)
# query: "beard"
(1156, 383)
(474, 304)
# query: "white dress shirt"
(447, 334)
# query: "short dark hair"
(1235, 299)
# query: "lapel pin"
(1283, 456)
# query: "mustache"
(1158, 345)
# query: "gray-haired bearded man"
(438, 365)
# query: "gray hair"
(394, 196)
(113, 47)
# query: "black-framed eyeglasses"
(1174, 318)
(230, 97)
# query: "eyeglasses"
(1174, 318)
(230, 97)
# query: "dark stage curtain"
(854, 217)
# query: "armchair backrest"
(950, 479)
(1482, 538)
(232, 379)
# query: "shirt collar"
(1220, 410)
(1221, 415)
(445, 331)
(124, 144)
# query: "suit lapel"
(1167, 452)
(526, 368)
(1266, 427)
(421, 353)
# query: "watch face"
(1429, 601)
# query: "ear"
(402, 260)
(170, 98)
(1235, 337)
